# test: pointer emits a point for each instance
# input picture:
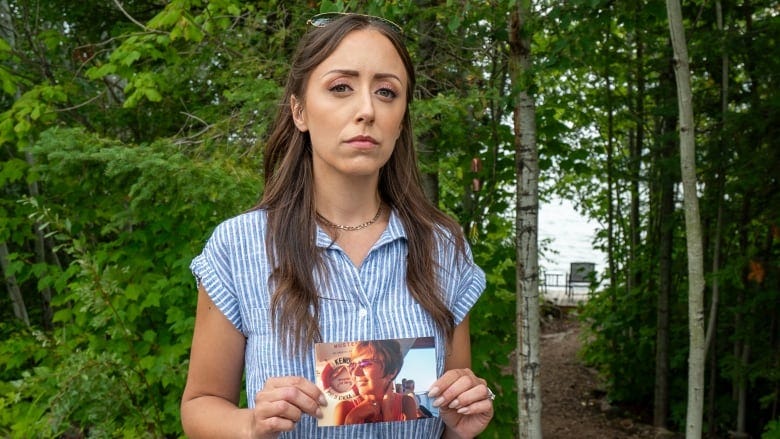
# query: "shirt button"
(362, 313)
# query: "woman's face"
(354, 106)
(368, 372)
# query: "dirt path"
(573, 404)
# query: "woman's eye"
(386, 93)
(340, 88)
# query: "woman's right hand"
(282, 402)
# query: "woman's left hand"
(465, 404)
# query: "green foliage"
(771, 430)
(621, 329)
(493, 353)
(608, 81)
(125, 140)
(139, 134)
(35, 108)
(125, 302)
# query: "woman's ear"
(296, 107)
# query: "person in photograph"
(408, 389)
(342, 246)
(374, 366)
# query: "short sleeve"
(469, 284)
(462, 281)
(213, 269)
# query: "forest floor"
(574, 403)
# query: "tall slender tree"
(694, 247)
(526, 228)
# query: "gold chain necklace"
(351, 228)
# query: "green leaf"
(149, 336)
(454, 23)
(192, 32)
(101, 71)
(35, 114)
(152, 94)
(133, 291)
(234, 10)
(22, 127)
(12, 170)
(129, 57)
(166, 18)
(9, 82)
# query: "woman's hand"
(281, 404)
(464, 401)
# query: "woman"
(343, 246)
(374, 365)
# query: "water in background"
(571, 236)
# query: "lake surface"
(571, 240)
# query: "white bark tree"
(692, 224)
(526, 229)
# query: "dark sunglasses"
(361, 364)
(324, 19)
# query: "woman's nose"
(365, 112)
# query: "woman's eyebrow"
(347, 72)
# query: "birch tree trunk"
(527, 218)
(692, 224)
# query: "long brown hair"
(289, 200)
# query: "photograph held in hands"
(372, 381)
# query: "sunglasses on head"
(324, 19)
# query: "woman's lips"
(363, 142)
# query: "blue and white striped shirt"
(365, 303)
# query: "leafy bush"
(772, 430)
(126, 220)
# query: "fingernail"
(433, 392)
(439, 401)
(454, 403)
(318, 413)
(323, 401)
(463, 410)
